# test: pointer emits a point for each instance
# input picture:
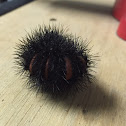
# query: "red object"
(122, 28)
(119, 9)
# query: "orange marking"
(31, 63)
(68, 68)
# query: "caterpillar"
(54, 61)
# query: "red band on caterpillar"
(31, 64)
(68, 68)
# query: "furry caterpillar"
(53, 61)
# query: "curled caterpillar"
(53, 61)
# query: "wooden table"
(103, 104)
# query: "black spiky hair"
(53, 61)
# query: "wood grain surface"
(102, 104)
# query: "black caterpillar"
(54, 61)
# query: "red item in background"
(122, 28)
(119, 9)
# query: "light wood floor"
(104, 104)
